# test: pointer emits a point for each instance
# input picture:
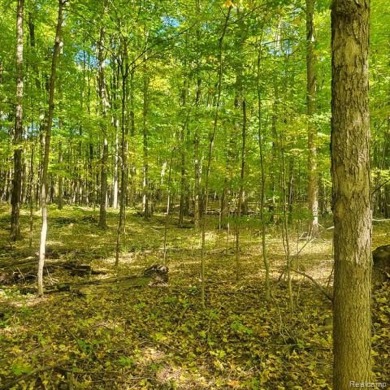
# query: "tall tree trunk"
(183, 209)
(261, 140)
(284, 192)
(31, 193)
(103, 111)
(351, 193)
(60, 201)
(115, 121)
(115, 179)
(312, 191)
(18, 132)
(124, 71)
(197, 160)
(197, 156)
(241, 188)
(131, 162)
(146, 209)
(212, 134)
(240, 106)
(47, 137)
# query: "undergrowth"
(107, 332)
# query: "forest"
(194, 194)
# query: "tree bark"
(103, 109)
(312, 191)
(47, 137)
(124, 72)
(210, 148)
(240, 105)
(197, 161)
(183, 209)
(351, 193)
(18, 132)
(197, 156)
(60, 201)
(146, 209)
(261, 140)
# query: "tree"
(18, 132)
(311, 82)
(351, 193)
(146, 200)
(104, 105)
(47, 126)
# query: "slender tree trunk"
(197, 156)
(168, 211)
(351, 194)
(115, 121)
(124, 67)
(131, 163)
(240, 105)
(103, 110)
(224, 206)
(124, 150)
(103, 185)
(261, 140)
(197, 163)
(115, 185)
(241, 189)
(212, 134)
(47, 137)
(60, 179)
(31, 194)
(183, 209)
(145, 147)
(312, 192)
(115, 88)
(18, 132)
(285, 221)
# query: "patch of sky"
(90, 60)
(170, 21)
(32, 129)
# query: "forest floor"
(105, 330)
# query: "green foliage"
(177, 49)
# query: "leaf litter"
(107, 331)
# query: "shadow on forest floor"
(105, 330)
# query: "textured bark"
(124, 73)
(312, 191)
(60, 179)
(183, 209)
(18, 133)
(124, 143)
(351, 194)
(47, 137)
(197, 158)
(103, 110)
(146, 209)
(261, 137)
(197, 162)
(240, 105)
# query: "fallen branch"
(133, 281)
(330, 297)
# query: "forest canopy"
(182, 89)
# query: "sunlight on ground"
(108, 330)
